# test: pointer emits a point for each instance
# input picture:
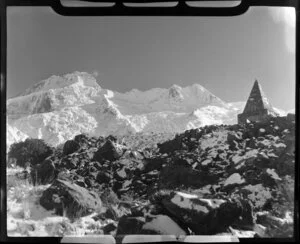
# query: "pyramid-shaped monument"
(257, 108)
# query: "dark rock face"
(70, 146)
(69, 199)
(44, 173)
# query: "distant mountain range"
(60, 107)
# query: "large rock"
(70, 146)
(162, 225)
(69, 199)
(154, 225)
(130, 225)
(44, 173)
(205, 216)
(109, 151)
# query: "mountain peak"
(198, 87)
(57, 82)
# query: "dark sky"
(224, 54)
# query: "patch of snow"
(259, 194)
(237, 159)
(206, 162)
(127, 183)
(186, 203)
(273, 174)
(186, 195)
(234, 179)
(164, 225)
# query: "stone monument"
(257, 108)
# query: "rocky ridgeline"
(216, 179)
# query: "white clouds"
(286, 16)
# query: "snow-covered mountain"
(58, 108)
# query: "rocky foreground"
(214, 180)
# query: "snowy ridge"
(58, 108)
(71, 90)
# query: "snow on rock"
(185, 201)
(273, 174)
(164, 225)
(234, 179)
(258, 194)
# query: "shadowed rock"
(206, 216)
(70, 147)
(69, 199)
(43, 173)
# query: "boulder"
(162, 225)
(69, 199)
(44, 173)
(130, 225)
(110, 151)
(204, 216)
(70, 146)
(103, 177)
